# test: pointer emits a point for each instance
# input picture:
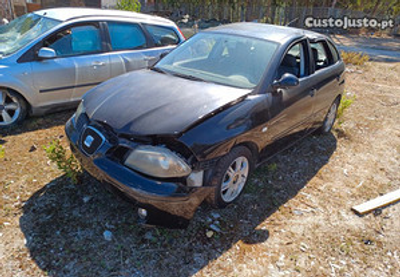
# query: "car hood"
(150, 103)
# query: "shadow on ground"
(31, 124)
(64, 224)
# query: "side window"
(162, 36)
(294, 62)
(75, 41)
(320, 55)
(126, 36)
(334, 52)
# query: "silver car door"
(79, 64)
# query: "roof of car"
(66, 14)
(270, 32)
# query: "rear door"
(329, 72)
(135, 46)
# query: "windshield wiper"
(189, 77)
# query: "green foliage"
(272, 167)
(129, 5)
(354, 58)
(344, 104)
(2, 152)
(69, 165)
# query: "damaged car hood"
(151, 103)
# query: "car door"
(133, 47)
(79, 65)
(292, 108)
(329, 72)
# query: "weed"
(2, 152)
(354, 58)
(69, 165)
(272, 167)
(344, 104)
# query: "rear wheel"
(230, 176)
(13, 108)
(329, 118)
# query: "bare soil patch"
(294, 220)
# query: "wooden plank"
(379, 202)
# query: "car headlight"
(80, 110)
(157, 162)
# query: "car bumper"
(168, 204)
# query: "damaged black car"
(193, 127)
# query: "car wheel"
(329, 118)
(13, 108)
(230, 176)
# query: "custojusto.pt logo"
(348, 23)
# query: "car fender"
(241, 123)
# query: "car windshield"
(220, 58)
(22, 31)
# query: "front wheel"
(230, 176)
(13, 108)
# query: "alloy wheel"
(234, 179)
(10, 108)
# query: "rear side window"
(334, 52)
(320, 55)
(162, 36)
(126, 36)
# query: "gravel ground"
(293, 220)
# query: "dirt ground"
(295, 218)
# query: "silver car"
(50, 58)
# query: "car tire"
(230, 176)
(330, 118)
(13, 108)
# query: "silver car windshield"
(22, 31)
(225, 59)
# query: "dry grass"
(354, 58)
(294, 219)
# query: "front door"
(292, 108)
(79, 65)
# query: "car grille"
(81, 121)
(91, 140)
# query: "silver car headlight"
(157, 162)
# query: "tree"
(129, 5)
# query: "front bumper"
(167, 203)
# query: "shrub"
(129, 5)
(354, 58)
(344, 104)
(69, 165)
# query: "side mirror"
(287, 81)
(46, 53)
(163, 54)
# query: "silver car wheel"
(330, 118)
(234, 179)
(10, 108)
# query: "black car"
(194, 126)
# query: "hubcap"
(234, 179)
(9, 108)
(330, 117)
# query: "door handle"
(98, 64)
(312, 92)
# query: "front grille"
(81, 121)
(91, 140)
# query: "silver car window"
(126, 36)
